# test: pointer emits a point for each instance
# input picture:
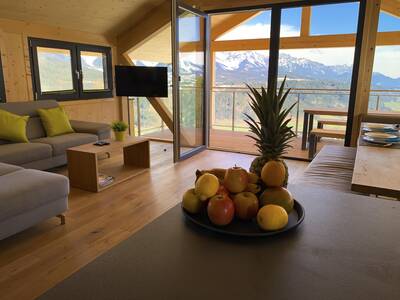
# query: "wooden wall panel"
(17, 72)
(14, 68)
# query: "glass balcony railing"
(229, 104)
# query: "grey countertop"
(348, 247)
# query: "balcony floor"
(239, 142)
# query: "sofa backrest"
(34, 128)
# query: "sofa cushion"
(63, 142)
(55, 121)
(331, 168)
(35, 129)
(6, 168)
(28, 190)
(22, 153)
(13, 127)
(28, 108)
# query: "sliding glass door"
(190, 89)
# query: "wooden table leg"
(305, 132)
(83, 170)
(310, 126)
(138, 155)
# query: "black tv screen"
(141, 81)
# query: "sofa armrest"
(102, 130)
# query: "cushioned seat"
(6, 169)
(331, 168)
(29, 156)
(30, 189)
(22, 153)
(65, 141)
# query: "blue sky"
(328, 19)
(325, 19)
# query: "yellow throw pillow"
(13, 127)
(55, 121)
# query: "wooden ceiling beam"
(391, 7)
(225, 4)
(144, 30)
(321, 41)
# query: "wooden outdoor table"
(346, 248)
(377, 170)
(309, 120)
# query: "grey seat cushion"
(63, 142)
(6, 168)
(22, 153)
(30, 189)
(331, 168)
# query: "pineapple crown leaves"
(270, 128)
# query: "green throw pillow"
(55, 121)
(13, 127)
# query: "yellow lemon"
(207, 185)
(272, 217)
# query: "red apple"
(236, 179)
(220, 210)
(223, 191)
(246, 205)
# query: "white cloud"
(257, 31)
(387, 61)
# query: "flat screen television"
(141, 81)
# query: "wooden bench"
(336, 122)
(317, 133)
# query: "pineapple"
(270, 128)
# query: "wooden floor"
(237, 141)
(35, 260)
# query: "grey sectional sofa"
(43, 152)
(28, 197)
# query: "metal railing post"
(233, 109)
(378, 102)
(139, 125)
(297, 113)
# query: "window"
(69, 71)
(2, 88)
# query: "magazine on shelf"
(105, 179)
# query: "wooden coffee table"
(122, 160)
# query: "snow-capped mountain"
(236, 68)
(251, 67)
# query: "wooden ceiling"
(107, 17)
